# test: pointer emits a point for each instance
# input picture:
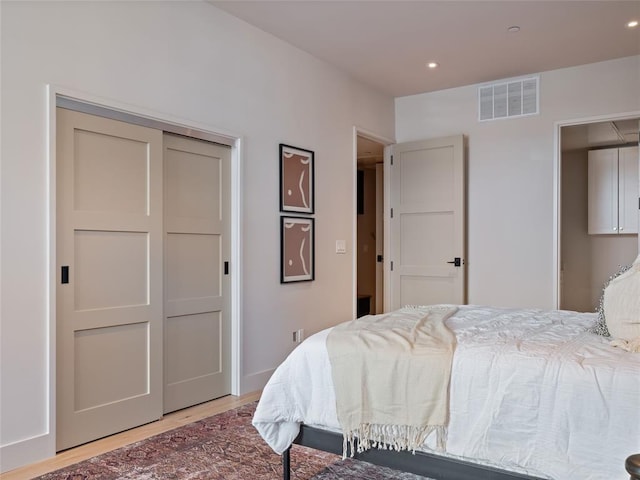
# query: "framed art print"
(297, 256)
(296, 179)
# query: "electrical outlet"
(298, 335)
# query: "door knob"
(457, 262)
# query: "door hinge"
(226, 268)
(392, 213)
(391, 159)
(392, 265)
(64, 274)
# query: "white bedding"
(531, 391)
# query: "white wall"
(183, 60)
(511, 172)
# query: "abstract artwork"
(296, 179)
(297, 249)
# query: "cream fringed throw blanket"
(391, 377)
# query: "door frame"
(387, 142)
(557, 189)
(166, 123)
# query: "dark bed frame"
(420, 463)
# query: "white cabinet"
(613, 191)
(628, 203)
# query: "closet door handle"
(457, 262)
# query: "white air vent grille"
(513, 98)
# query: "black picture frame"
(297, 180)
(297, 249)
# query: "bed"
(533, 395)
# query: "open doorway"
(369, 231)
(598, 209)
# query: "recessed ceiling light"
(632, 23)
(513, 29)
(432, 64)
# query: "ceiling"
(601, 134)
(387, 44)
(369, 152)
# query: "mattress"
(531, 391)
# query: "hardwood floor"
(168, 422)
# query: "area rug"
(221, 447)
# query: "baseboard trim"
(256, 381)
(27, 451)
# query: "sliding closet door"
(110, 290)
(197, 330)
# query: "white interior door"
(427, 224)
(109, 259)
(197, 330)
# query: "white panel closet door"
(197, 329)
(110, 291)
(427, 228)
(603, 191)
(628, 171)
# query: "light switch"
(341, 246)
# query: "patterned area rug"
(222, 447)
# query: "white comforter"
(531, 391)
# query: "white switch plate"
(341, 246)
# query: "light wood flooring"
(168, 422)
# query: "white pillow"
(622, 304)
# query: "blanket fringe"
(391, 437)
(629, 346)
